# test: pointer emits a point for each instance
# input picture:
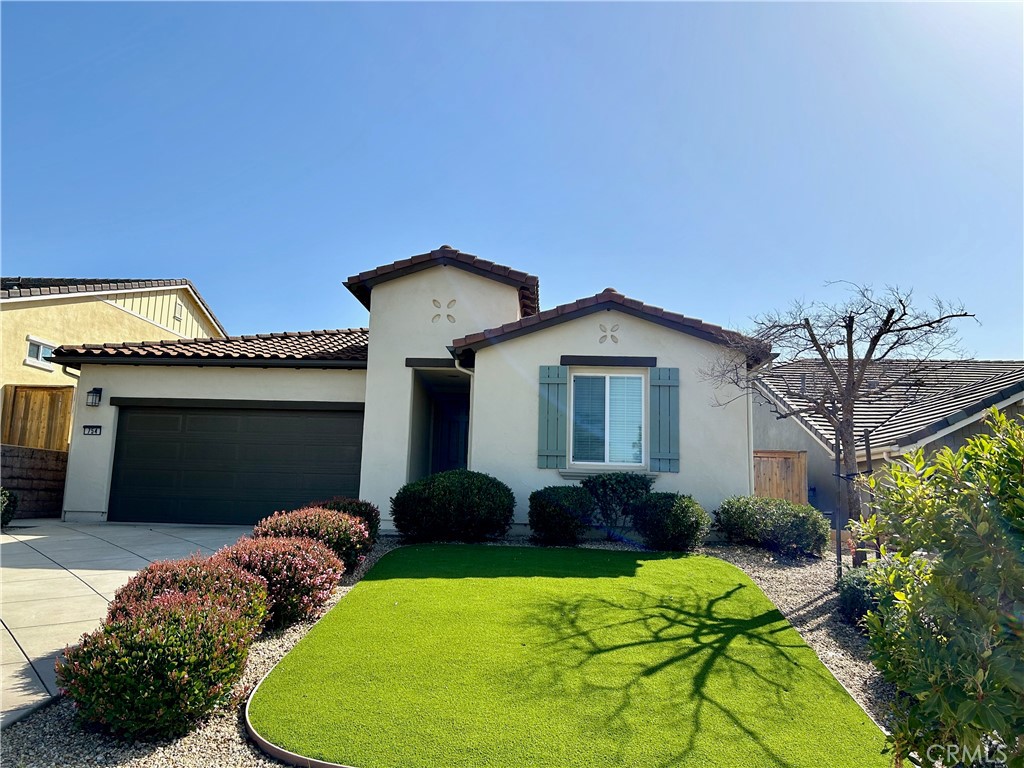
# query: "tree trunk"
(850, 495)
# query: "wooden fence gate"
(781, 475)
(36, 417)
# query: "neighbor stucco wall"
(90, 459)
(78, 320)
(715, 458)
(402, 324)
(774, 434)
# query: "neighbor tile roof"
(24, 287)
(928, 397)
(339, 347)
(609, 298)
(529, 286)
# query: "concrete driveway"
(56, 580)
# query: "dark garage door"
(230, 465)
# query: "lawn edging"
(274, 751)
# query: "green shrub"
(948, 631)
(347, 536)
(459, 505)
(616, 494)
(216, 581)
(560, 514)
(774, 524)
(364, 510)
(8, 506)
(795, 529)
(671, 521)
(856, 596)
(159, 670)
(300, 574)
(741, 519)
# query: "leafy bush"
(158, 670)
(948, 631)
(775, 524)
(856, 596)
(671, 521)
(616, 494)
(364, 510)
(741, 519)
(217, 581)
(459, 505)
(300, 573)
(795, 528)
(8, 506)
(560, 514)
(346, 535)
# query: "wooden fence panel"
(36, 417)
(781, 475)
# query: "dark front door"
(230, 465)
(450, 444)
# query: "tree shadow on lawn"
(690, 648)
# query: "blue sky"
(719, 160)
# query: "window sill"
(33, 363)
(579, 473)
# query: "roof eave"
(77, 361)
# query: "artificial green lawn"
(514, 656)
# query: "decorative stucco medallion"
(437, 317)
(608, 333)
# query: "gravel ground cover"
(801, 589)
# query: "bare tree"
(863, 347)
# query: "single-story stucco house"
(921, 404)
(458, 368)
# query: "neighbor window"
(38, 351)
(607, 419)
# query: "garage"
(205, 462)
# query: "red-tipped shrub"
(158, 670)
(300, 573)
(218, 581)
(364, 510)
(346, 535)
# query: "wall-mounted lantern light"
(93, 396)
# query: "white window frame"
(38, 362)
(606, 375)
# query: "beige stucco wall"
(91, 458)
(401, 326)
(77, 320)
(774, 434)
(715, 459)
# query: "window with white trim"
(607, 419)
(38, 351)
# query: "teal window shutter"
(553, 427)
(664, 432)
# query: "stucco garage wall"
(91, 457)
(402, 325)
(715, 458)
(774, 434)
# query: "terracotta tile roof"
(338, 348)
(609, 298)
(529, 286)
(927, 397)
(26, 287)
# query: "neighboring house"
(941, 404)
(38, 314)
(458, 368)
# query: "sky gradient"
(719, 160)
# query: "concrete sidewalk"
(56, 580)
